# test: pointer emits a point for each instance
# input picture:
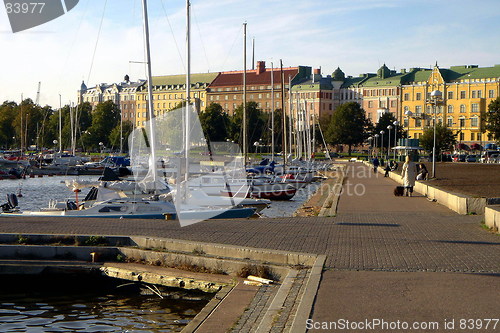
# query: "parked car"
(485, 158)
(471, 158)
(459, 157)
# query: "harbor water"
(60, 303)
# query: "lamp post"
(389, 141)
(370, 146)
(395, 123)
(436, 97)
(376, 145)
(382, 144)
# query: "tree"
(256, 122)
(105, 117)
(7, 116)
(215, 122)
(114, 137)
(348, 125)
(445, 139)
(492, 119)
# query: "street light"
(395, 123)
(436, 97)
(382, 144)
(388, 141)
(370, 146)
(376, 145)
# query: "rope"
(173, 36)
(201, 39)
(97, 41)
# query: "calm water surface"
(72, 304)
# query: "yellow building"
(467, 91)
(170, 91)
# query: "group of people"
(410, 172)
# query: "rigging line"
(173, 36)
(97, 41)
(232, 46)
(201, 39)
(63, 72)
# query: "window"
(479, 136)
(406, 122)
(462, 136)
(472, 136)
(474, 94)
(463, 109)
(450, 122)
(479, 94)
(462, 94)
(418, 122)
(450, 108)
(450, 94)
(475, 107)
(393, 104)
(418, 109)
(474, 122)
(370, 104)
(406, 97)
(461, 122)
(418, 96)
(491, 93)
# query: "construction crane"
(38, 93)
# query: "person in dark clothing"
(376, 163)
(422, 172)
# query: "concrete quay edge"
(459, 203)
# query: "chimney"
(261, 67)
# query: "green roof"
(169, 80)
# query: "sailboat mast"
(152, 139)
(60, 123)
(283, 113)
(188, 84)
(272, 111)
(290, 118)
(244, 94)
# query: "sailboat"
(148, 142)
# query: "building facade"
(169, 92)
(261, 83)
(466, 94)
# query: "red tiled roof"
(236, 78)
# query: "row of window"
(474, 108)
(382, 104)
(451, 95)
(379, 92)
(474, 122)
(237, 96)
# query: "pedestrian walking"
(409, 173)
(376, 163)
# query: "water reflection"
(91, 304)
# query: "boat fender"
(12, 199)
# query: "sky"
(100, 41)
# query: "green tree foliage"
(445, 139)
(492, 119)
(7, 132)
(256, 121)
(114, 137)
(348, 125)
(105, 117)
(215, 122)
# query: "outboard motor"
(11, 204)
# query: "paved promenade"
(386, 256)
